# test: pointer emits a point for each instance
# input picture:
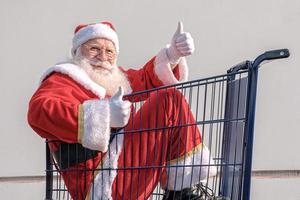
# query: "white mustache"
(103, 64)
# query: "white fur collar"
(78, 75)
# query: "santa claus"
(79, 105)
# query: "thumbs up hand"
(119, 110)
(182, 44)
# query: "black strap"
(69, 155)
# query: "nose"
(102, 56)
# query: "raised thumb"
(120, 93)
(179, 28)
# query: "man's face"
(99, 49)
(97, 57)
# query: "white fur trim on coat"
(78, 75)
(186, 177)
(96, 123)
(102, 187)
(162, 69)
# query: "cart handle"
(271, 55)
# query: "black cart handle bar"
(268, 55)
(271, 55)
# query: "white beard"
(106, 75)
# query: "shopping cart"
(224, 110)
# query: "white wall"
(36, 34)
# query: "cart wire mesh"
(221, 108)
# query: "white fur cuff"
(96, 129)
(164, 72)
(185, 177)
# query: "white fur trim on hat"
(94, 31)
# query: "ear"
(77, 52)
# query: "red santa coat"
(66, 108)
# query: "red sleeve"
(157, 72)
(53, 109)
(144, 78)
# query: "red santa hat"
(85, 32)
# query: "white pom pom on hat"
(85, 32)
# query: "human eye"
(109, 51)
(95, 49)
